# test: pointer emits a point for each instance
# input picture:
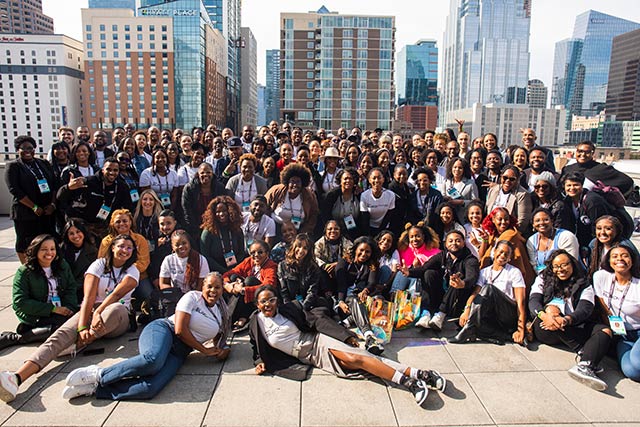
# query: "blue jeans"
(403, 283)
(629, 356)
(162, 353)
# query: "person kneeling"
(286, 338)
(496, 309)
(164, 344)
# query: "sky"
(551, 21)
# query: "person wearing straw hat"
(326, 179)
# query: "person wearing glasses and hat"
(512, 196)
(326, 179)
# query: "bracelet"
(540, 314)
(34, 208)
(82, 328)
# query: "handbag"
(407, 306)
(381, 318)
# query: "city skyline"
(550, 22)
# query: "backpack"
(612, 195)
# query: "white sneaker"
(71, 392)
(424, 320)
(582, 372)
(80, 376)
(437, 321)
(8, 386)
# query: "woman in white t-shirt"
(617, 286)
(108, 284)
(377, 204)
(201, 317)
(161, 179)
(496, 310)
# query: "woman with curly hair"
(357, 278)
(548, 238)
(292, 200)
(561, 304)
(82, 162)
(608, 233)
(222, 241)
(500, 225)
(44, 293)
(416, 245)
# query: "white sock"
(368, 333)
(397, 377)
(413, 373)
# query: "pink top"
(422, 253)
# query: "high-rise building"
(536, 94)
(248, 79)
(272, 92)
(24, 17)
(485, 53)
(417, 118)
(582, 65)
(225, 16)
(153, 69)
(40, 87)
(262, 107)
(337, 69)
(112, 4)
(417, 74)
(623, 88)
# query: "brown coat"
(519, 259)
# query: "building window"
(311, 35)
(87, 28)
(114, 28)
(102, 27)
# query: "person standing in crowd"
(222, 241)
(513, 197)
(33, 187)
(81, 162)
(246, 185)
(161, 179)
(197, 195)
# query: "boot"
(8, 339)
(39, 334)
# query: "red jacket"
(268, 275)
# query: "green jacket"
(30, 293)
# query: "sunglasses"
(541, 186)
(508, 178)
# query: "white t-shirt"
(469, 230)
(566, 307)
(185, 174)
(109, 281)
(389, 261)
(505, 280)
(379, 207)
(630, 310)
(159, 184)
(174, 267)
(52, 284)
(280, 332)
(205, 321)
(245, 192)
(288, 209)
(257, 230)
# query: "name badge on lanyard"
(104, 212)
(617, 325)
(43, 186)
(245, 206)
(230, 258)
(558, 302)
(296, 221)
(349, 222)
(454, 193)
(134, 195)
(165, 199)
(55, 300)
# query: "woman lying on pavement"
(562, 302)
(164, 344)
(286, 339)
(104, 312)
(457, 268)
(496, 310)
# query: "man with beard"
(100, 147)
(153, 136)
(117, 136)
(529, 141)
(129, 129)
(247, 138)
(93, 198)
(296, 139)
(229, 166)
(82, 134)
(537, 165)
(342, 133)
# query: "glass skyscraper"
(189, 37)
(417, 74)
(485, 53)
(272, 91)
(581, 64)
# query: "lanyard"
(242, 192)
(622, 298)
(52, 285)
(422, 203)
(115, 280)
(493, 279)
(215, 318)
(104, 193)
(291, 206)
(224, 247)
(166, 177)
(30, 169)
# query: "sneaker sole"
(434, 327)
(589, 382)
(6, 396)
(426, 394)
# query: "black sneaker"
(583, 373)
(433, 379)
(373, 346)
(419, 390)
(8, 339)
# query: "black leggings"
(589, 339)
(435, 298)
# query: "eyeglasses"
(559, 267)
(269, 301)
(586, 152)
(258, 252)
(508, 178)
(26, 148)
(541, 186)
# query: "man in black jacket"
(93, 198)
(454, 269)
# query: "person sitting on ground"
(285, 339)
(201, 317)
(44, 293)
(256, 224)
(104, 312)
(299, 276)
(244, 279)
(564, 285)
(547, 238)
(327, 251)
(608, 234)
(78, 249)
(496, 310)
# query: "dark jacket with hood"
(465, 263)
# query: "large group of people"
(288, 234)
